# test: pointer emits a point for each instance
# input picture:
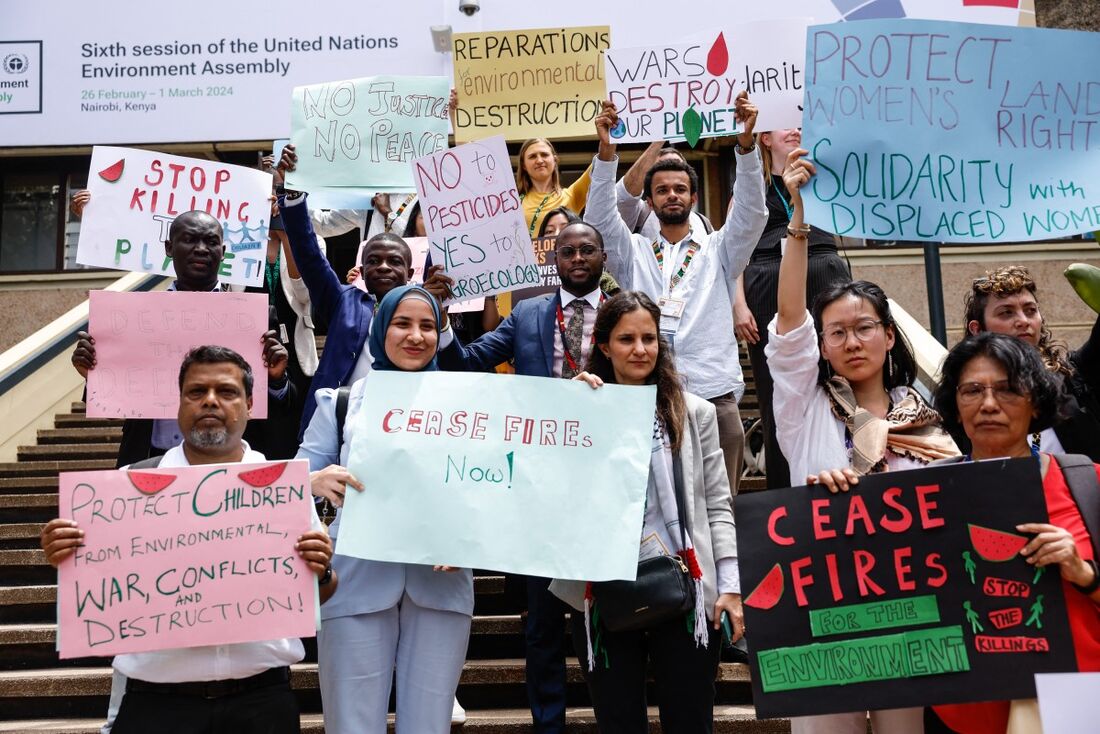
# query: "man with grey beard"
(241, 687)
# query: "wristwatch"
(327, 577)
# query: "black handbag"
(662, 591)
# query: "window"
(29, 205)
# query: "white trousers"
(889, 721)
(357, 656)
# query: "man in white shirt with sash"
(689, 273)
(241, 687)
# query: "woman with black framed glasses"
(844, 397)
(997, 390)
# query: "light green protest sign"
(363, 133)
(519, 474)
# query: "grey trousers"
(357, 657)
(731, 437)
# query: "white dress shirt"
(212, 662)
(705, 346)
(568, 301)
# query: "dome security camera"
(469, 7)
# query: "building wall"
(27, 303)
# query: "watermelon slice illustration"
(768, 592)
(995, 545)
(263, 477)
(111, 174)
(148, 482)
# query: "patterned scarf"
(911, 429)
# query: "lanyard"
(788, 207)
(397, 215)
(658, 251)
(271, 271)
(564, 343)
(538, 210)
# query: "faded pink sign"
(199, 555)
(142, 338)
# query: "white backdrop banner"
(121, 71)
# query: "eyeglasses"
(969, 393)
(835, 336)
(567, 253)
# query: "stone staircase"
(40, 693)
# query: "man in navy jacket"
(344, 309)
(538, 335)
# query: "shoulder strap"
(151, 463)
(678, 488)
(343, 396)
(1080, 474)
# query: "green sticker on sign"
(885, 657)
(875, 616)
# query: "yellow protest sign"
(546, 82)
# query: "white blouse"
(810, 435)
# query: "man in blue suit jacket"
(346, 310)
(538, 335)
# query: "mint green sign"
(519, 474)
(363, 133)
(885, 657)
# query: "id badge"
(651, 547)
(671, 311)
(283, 336)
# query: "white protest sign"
(474, 219)
(1068, 701)
(137, 193)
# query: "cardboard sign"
(200, 555)
(906, 591)
(951, 132)
(548, 271)
(474, 219)
(364, 132)
(517, 474)
(136, 194)
(142, 338)
(546, 82)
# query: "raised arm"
(601, 211)
(792, 271)
(747, 214)
(321, 280)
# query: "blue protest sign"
(952, 132)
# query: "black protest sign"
(906, 591)
(548, 272)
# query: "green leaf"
(693, 126)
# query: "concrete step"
(83, 434)
(20, 534)
(27, 508)
(28, 485)
(68, 452)
(51, 467)
(79, 420)
(752, 484)
(25, 566)
(727, 720)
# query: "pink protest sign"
(142, 338)
(200, 555)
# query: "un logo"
(16, 63)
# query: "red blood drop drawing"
(718, 58)
(112, 174)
